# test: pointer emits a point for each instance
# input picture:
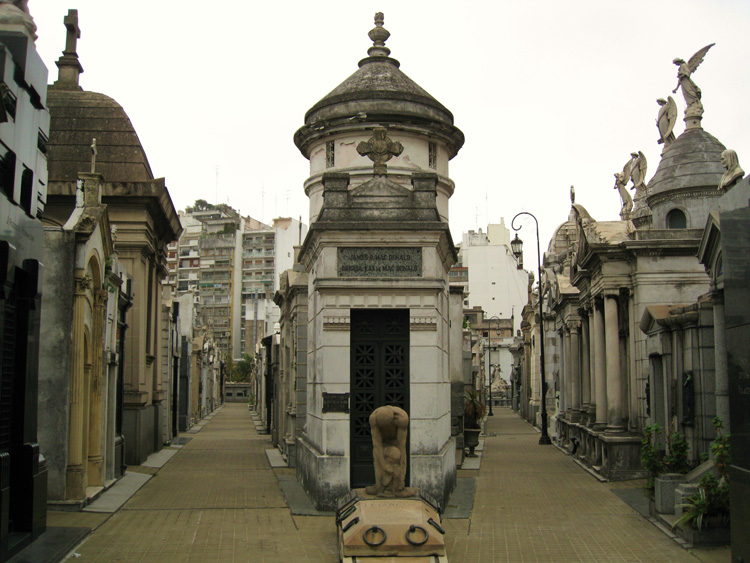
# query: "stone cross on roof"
(74, 32)
(68, 64)
(380, 149)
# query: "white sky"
(548, 93)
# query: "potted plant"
(705, 515)
(474, 410)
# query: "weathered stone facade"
(141, 210)
(381, 319)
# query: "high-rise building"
(232, 264)
(489, 274)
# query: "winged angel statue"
(666, 120)
(685, 69)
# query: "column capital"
(82, 282)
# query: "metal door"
(379, 376)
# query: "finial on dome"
(379, 36)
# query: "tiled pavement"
(218, 499)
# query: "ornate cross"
(380, 149)
(74, 32)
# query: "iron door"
(379, 376)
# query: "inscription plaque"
(335, 402)
(405, 262)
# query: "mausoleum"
(381, 318)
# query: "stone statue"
(638, 168)
(666, 120)
(17, 12)
(389, 425)
(621, 185)
(734, 173)
(685, 70)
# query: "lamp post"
(517, 248)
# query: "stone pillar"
(592, 363)
(76, 472)
(95, 459)
(720, 362)
(565, 371)
(600, 368)
(612, 351)
(585, 370)
(575, 371)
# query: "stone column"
(585, 370)
(600, 368)
(720, 361)
(612, 351)
(575, 371)
(75, 472)
(565, 371)
(95, 459)
(592, 363)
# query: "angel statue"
(621, 183)
(638, 167)
(733, 171)
(689, 89)
(666, 120)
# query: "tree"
(202, 205)
(243, 369)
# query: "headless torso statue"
(389, 426)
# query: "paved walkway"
(218, 499)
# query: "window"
(7, 170)
(432, 156)
(330, 155)
(27, 189)
(676, 220)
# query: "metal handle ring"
(374, 530)
(411, 530)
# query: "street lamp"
(517, 249)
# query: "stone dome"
(692, 162)
(378, 92)
(76, 118)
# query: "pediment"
(380, 187)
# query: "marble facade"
(378, 251)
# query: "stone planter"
(705, 537)
(471, 440)
(664, 488)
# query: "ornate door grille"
(379, 376)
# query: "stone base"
(613, 456)
(704, 537)
(140, 433)
(435, 474)
(325, 478)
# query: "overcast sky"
(548, 93)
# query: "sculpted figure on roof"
(17, 12)
(690, 90)
(733, 171)
(638, 167)
(666, 120)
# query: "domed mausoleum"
(383, 327)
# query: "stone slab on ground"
(298, 501)
(275, 458)
(119, 493)
(462, 498)
(160, 458)
(52, 546)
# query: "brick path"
(219, 500)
